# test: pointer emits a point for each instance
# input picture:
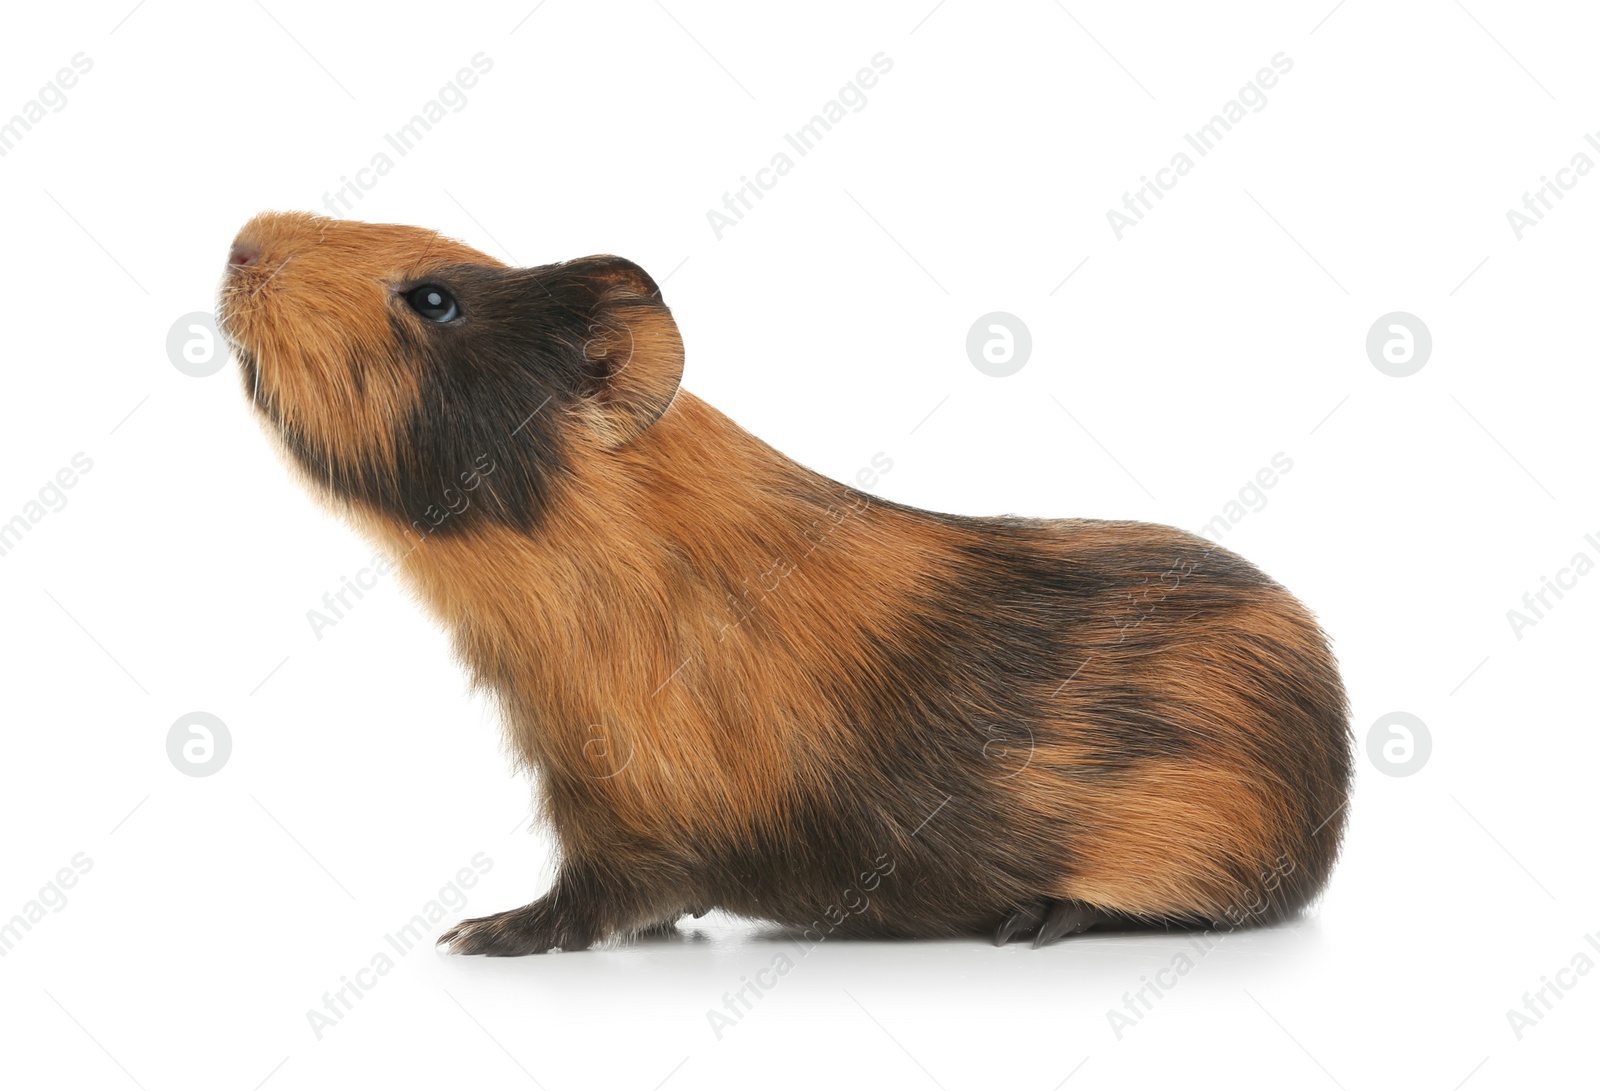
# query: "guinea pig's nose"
(243, 255)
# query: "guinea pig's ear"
(633, 351)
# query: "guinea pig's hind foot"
(1022, 920)
(1049, 921)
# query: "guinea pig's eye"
(433, 303)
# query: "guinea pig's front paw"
(530, 930)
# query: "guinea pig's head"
(414, 377)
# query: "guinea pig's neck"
(643, 558)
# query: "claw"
(1020, 920)
(1064, 919)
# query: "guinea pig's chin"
(245, 307)
(231, 326)
(233, 322)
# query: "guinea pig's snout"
(243, 254)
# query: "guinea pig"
(744, 686)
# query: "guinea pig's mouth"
(248, 280)
(233, 312)
(255, 259)
(241, 297)
(238, 318)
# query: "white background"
(1226, 327)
